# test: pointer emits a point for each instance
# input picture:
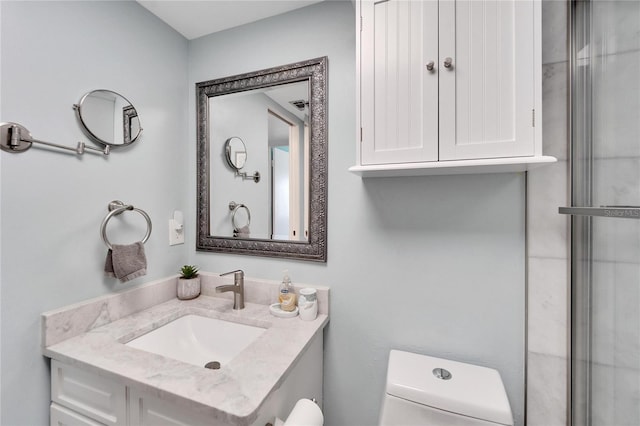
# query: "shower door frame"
(579, 379)
(580, 24)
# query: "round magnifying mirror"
(236, 152)
(108, 118)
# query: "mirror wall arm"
(16, 138)
(80, 149)
(254, 177)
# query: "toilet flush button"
(441, 373)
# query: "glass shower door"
(605, 165)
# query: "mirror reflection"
(273, 121)
(236, 152)
(108, 118)
(271, 125)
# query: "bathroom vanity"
(96, 379)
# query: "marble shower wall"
(548, 236)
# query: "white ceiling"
(284, 94)
(195, 19)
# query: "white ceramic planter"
(188, 288)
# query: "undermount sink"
(198, 340)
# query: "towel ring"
(116, 208)
(234, 207)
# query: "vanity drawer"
(96, 397)
(147, 410)
(60, 416)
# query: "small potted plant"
(188, 283)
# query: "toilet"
(423, 390)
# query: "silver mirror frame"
(315, 248)
(128, 114)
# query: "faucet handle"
(237, 271)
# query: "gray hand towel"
(243, 232)
(126, 262)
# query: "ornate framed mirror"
(280, 114)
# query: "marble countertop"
(232, 394)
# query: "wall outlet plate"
(176, 233)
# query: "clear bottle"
(287, 297)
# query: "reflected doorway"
(287, 193)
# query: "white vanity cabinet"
(80, 397)
(83, 398)
(448, 84)
(139, 409)
(147, 410)
(61, 416)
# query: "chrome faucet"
(237, 288)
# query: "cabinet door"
(398, 94)
(487, 94)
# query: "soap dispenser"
(287, 297)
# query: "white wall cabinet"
(448, 84)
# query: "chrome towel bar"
(234, 207)
(117, 207)
(623, 212)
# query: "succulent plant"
(188, 271)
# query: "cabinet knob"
(448, 63)
(430, 65)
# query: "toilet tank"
(423, 390)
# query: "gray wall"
(428, 264)
(0, 224)
(52, 203)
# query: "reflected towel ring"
(117, 207)
(234, 207)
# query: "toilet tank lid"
(471, 390)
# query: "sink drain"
(213, 365)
